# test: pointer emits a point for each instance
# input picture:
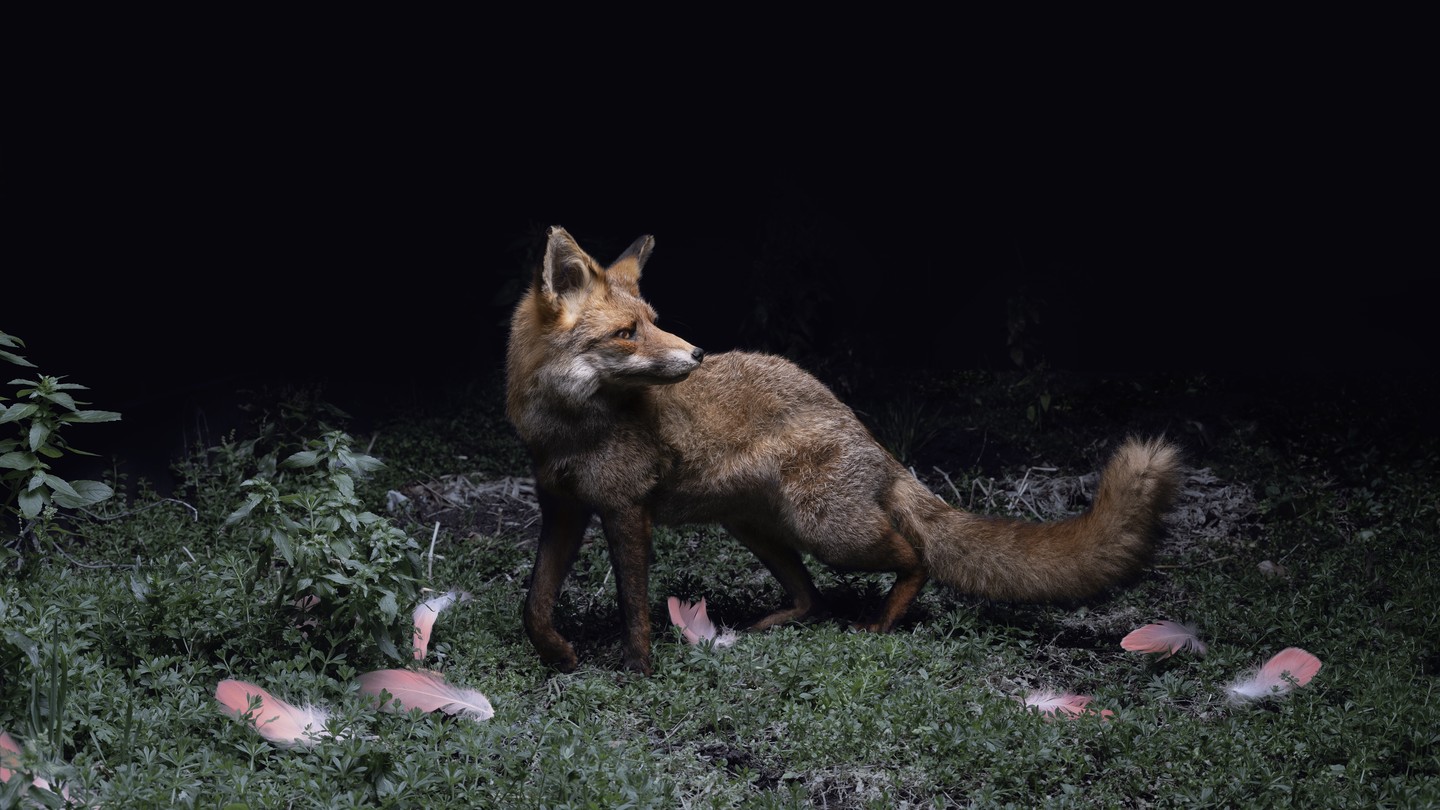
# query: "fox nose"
(697, 353)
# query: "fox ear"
(625, 271)
(568, 273)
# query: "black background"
(185, 226)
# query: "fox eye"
(627, 333)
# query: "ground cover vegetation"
(292, 552)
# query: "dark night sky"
(171, 239)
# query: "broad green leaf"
(62, 399)
(26, 645)
(59, 386)
(55, 452)
(25, 392)
(88, 493)
(18, 411)
(388, 606)
(345, 484)
(16, 460)
(61, 486)
(339, 579)
(386, 644)
(251, 501)
(16, 359)
(10, 340)
(286, 549)
(91, 416)
(304, 458)
(39, 432)
(31, 502)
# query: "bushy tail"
(1016, 560)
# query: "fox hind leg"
(910, 578)
(789, 569)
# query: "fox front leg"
(562, 526)
(627, 533)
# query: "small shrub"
(335, 558)
(43, 407)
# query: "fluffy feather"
(9, 756)
(692, 620)
(425, 615)
(282, 723)
(1164, 637)
(695, 624)
(10, 764)
(1271, 679)
(426, 691)
(1062, 704)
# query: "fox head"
(583, 328)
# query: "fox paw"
(562, 659)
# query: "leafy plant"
(906, 425)
(44, 406)
(337, 559)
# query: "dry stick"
(194, 513)
(980, 485)
(421, 482)
(953, 489)
(74, 561)
(1022, 490)
(430, 563)
(1195, 564)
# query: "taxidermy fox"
(629, 422)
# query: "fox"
(625, 421)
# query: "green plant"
(906, 425)
(337, 559)
(44, 407)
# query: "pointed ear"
(625, 271)
(568, 274)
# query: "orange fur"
(631, 423)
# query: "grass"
(116, 637)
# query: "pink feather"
(1271, 679)
(9, 756)
(426, 691)
(1164, 637)
(282, 723)
(10, 764)
(425, 615)
(1062, 704)
(692, 620)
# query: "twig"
(1196, 564)
(194, 513)
(74, 561)
(430, 563)
(953, 489)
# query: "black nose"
(697, 353)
